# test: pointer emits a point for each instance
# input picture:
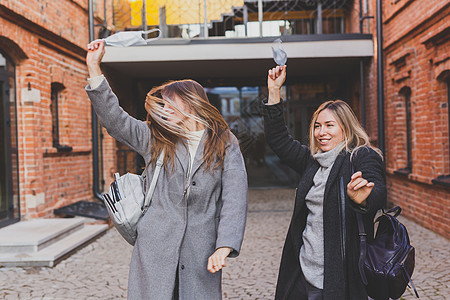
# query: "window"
(445, 178)
(57, 88)
(448, 115)
(405, 93)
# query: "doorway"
(9, 175)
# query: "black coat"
(341, 280)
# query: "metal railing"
(240, 18)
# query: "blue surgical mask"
(279, 55)
(130, 38)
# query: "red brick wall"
(427, 206)
(46, 41)
(417, 54)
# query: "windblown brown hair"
(165, 135)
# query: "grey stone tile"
(98, 272)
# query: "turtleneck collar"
(326, 159)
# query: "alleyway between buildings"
(100, 270)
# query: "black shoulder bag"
(386, 264)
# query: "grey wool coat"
(178, 233)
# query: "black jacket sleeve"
(290, 151)
(371, 165)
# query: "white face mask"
(130, 38)
(279, 55)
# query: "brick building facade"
(416, 87)
(44, 43)
(48, 123)
(416, 79)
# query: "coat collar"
(182, 154)
(303, 188)
(305, 184)
(335, 171)
(198, 158)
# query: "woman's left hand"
(217, 261)
(358, 189)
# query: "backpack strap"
(396, 209)
(410, 280)
(362, 239)
(362, 247)
(149, 194)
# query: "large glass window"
(9, 172)
(241, 108)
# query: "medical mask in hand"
(279, 55)
(130, 38)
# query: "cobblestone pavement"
(99, 272)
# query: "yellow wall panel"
(181, 11)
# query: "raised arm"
(119, 124)
(275, 80)
(290, 151)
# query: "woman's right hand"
(96, 51)
(275, 80)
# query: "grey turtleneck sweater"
(312, 251)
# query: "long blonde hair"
(165, 134)
(355, 136)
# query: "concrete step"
(35, 235)
(51, 241)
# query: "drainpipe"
(260, 17)
(104, 14)
(245, 14)
(363, 97)
(205, 19)
(361, 71)
(96, 189)
(380, 71)
(319, 18)
(144, 16)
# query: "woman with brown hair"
(198, 211)
(321, 251)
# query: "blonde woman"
(314, 264)
(198, 211)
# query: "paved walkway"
(97, 272)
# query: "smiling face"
(327, 131)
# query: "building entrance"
(240, 103)
(241, 108)
(9, 193)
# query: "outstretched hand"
(96, 51)
(217, 261)
(358, 189)
(275, 80)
